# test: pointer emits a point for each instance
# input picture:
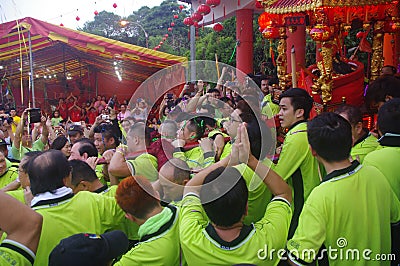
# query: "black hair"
(223, 200)
(59, 143)
(299, 99)
(107, 131)
(273, 81)
(213, 90)
(81, 171)
(260, 138)
(382, 87)
(329, 134)
(87, 146)
(27, 159)
(392, 68)
(47, 171)
(353, 113)
(389, 117)
(196, 125)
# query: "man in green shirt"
(23, 226)
(296, 164)
(158, 226)
(363, 141)
(225, 240)
(7, 174)
(331, 214)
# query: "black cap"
(89, 249)
(73, 129)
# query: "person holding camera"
(23, 142)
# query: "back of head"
(300, 99)
(197, 125)
(352, 113)
(28, 157)
(329, 134)
(81, 171)
(168, 129)
(59, 143)
(181, 170)
(87, 146)
(47, 171)
(382, 87)
(389, 117)
(260, 137)
(136, 196)
(223, 200)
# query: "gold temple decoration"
(281, 61)
(377, 50)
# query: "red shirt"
(92, 117)
(75, 115)
(62, 109)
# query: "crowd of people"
(204, 181)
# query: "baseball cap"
(73, 129)
(89, 249)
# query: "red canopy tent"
(66, 60)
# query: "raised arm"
(19, 130)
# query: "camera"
(34, 115)
(105, 117)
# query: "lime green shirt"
(352, 209)
(195, 158)
(144, 165)
(363, 147)
(259, 195)
(38, 145)
(202, 246)
(9, 176)
(387, 161)
(84, 212)
(269, 108)
(13, 253)
(18, 195)
(298, 167)
(159, 248)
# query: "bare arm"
(45, 131)
(21, 223)
(19, 130)
(118, 166)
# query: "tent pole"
(31, 69)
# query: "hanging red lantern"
(204, 9)
(61, 25)
(213, 3)
(218, 27)
(264, 20)
(360, 34)
(164, 38)
(169, 29)
(115, 5)
(320, 33)
(161, 43)
(181, 7)
(176, 16)
(188, 21)
(77, 18)
(258, 4)
(196, 17)
(166, 35)
(270, 32)
(172, 24)
(96, 12)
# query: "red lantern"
(176, 16)
(188, 21)
(360, 34)
(114, 5)
(218, 27)
(258, 4)
(320, 33)
(96, 12)
(345, 33)
(164, 38)
(270, 32)
(172, 24)
(77, 18)
(213, 3)
(161, 43)
(264, 20)
(197, 17)
(169, 29)
(166, 35)
(61, 25)
(204, 9)
(181, 7)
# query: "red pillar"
(244, 34)
(389, 50)
(298, 39)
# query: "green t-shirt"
(18, 195)
(363, 147)
(9, 176)
(259, 195)
(144, 165)
(69, 215)
(195, 158)
(298, 167)
(202, 246)
(13, 253)
(269, 108)
(387, 161)
(55, 121)
(352, 209)
(38, 145)
(158, 248)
